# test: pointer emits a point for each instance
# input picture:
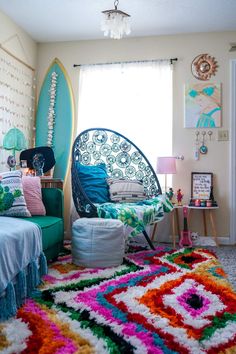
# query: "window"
(134, 99)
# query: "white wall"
(17, 41)
(21, 46)
(186, 48)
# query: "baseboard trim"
(225, 240)
(222, 240)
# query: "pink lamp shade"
(166, 165)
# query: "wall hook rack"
(179, 157)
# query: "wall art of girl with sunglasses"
(207, 101)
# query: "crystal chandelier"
(115, 22)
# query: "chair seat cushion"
(136, 216)
(52, 229)
(98, 242)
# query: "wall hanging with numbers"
(17, 100)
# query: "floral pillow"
(12, 201)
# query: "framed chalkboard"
(201, 183)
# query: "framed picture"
(201, 183)
(203, 106)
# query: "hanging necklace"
(203, 148)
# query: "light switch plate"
(223, 135)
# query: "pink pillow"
(33, 195)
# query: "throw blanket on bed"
(136, 216)
(20, 243)
(22, 262)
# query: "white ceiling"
(64, 20)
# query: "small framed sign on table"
(201, 185)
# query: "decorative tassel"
(26, 282)
(35, 270)
(20, 288)
(43, 267)
(3, 308)
(10, 300)
(30, 280)
(33, 277)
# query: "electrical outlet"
(223, 135)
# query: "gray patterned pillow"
(12, 201)
(126, 191)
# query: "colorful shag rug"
(162, 301)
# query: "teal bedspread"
(136, 216)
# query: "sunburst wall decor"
(204, 66)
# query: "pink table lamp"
(166, 165)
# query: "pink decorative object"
(179, 197)
(185, 239)
(33, 195)
(209, 203)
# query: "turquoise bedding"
(22, 262)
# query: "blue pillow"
(94, 182)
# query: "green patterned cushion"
(12, 201)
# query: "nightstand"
(47, 182)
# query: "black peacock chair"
(123, 159)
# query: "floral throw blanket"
(136, 216)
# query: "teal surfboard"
(64, 118)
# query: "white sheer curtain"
(135, 99)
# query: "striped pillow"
(12, 201)
(33, 195)
(126, 191)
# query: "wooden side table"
(51, 183)
(175, 223)
(207, 213)
(175, 226)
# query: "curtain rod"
(128, 62)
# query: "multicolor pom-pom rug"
(162, 301)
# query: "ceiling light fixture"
(115, 22)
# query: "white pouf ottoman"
(98, 242)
